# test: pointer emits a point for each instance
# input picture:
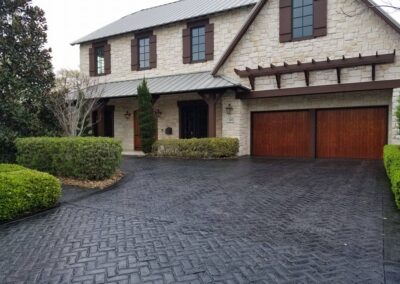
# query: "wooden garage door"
(281, 134)
(352, 133)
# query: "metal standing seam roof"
(164, 14)
(167, 85)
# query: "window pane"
(308, 21)
(195, 32)
(308, 31)
(297, 32)
(202, 48)
(307, 10)
(202, 39)
(195, 56)
(202, 31)
(202, 56)
(297, 23)
(297, 12)
(297, 3)
(308, 2)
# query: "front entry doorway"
(193, 119)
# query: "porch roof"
(183, 83)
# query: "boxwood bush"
(392, 164)
(24, 191)
(89, 158)
(205, 148)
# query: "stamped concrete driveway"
(233, 221)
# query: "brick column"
(395, 136)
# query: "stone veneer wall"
(169, 49)
(239, 123)
(168, 105)
(364, 33)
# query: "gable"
(353, 27)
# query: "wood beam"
(211, 99)
(318, 65)
(325, 89)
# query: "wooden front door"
(136, 130)
(193, 119)
(352, 133)
(282, 134)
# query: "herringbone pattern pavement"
(240, 221)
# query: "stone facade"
(169, 49)
(353, 28)
(364, 33)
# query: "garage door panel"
(281, 134)
(351, 133)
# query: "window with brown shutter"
(144, 51)
(100, 59)
(198, 42)
(302, 19)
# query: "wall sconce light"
(127, 115)
(158, 113)
(229, 109)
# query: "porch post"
(211, 99)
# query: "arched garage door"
(357, 133)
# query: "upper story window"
(302, 18)
(198, 35)
(100, 66)
(144, 53)
(198, 42)
(100, 59)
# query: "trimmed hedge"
(391, 158)
(24, 191)
(205, 148)
(88, 158)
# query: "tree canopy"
(26, 74)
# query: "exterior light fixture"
(229, 109)
(158, 113)
(127, 115)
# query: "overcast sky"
(69, 20)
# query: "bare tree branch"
(73, 100)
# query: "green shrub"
(205, 148)
(25, 191)
(391, 158)
(81, 158)
(147, 119)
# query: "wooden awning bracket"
(306, 68)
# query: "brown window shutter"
(107, 58)
(210, 42)
(186, 46)
(134, 55)
(320, 17)
(92, 62)
(153, 51)
(285, 20)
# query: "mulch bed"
(90, 184)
